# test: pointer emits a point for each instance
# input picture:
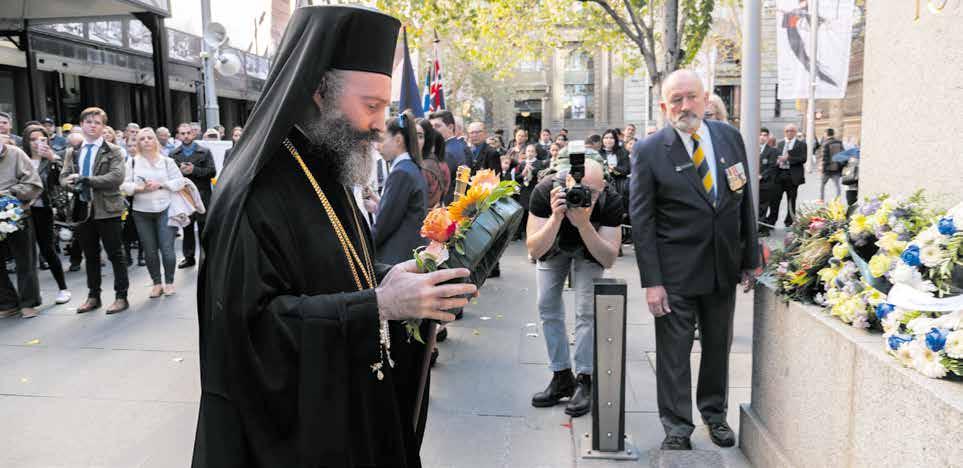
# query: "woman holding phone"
(48, 167)
(153, 179)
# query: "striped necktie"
(702, 166)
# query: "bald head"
(683, 100)
(594, 176)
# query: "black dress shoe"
(434, 357)
(44, 266)
(721, 434)
(186, 263)
(581, 402)
(74, 267)
(676, 443)
(561, 386)
(442, 335)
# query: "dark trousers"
(43, 228)
(786, 186)
(109, 231)
(75, 250)
(190, 240)
(21, 246)
(766, 196)
(674, 336)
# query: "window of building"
(579, 101)
(533, 65)
(579, 60)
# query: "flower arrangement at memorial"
(811, 243)
(930, 343)
(446, 227)
(859, 275)
(11, 216)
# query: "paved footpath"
(121, 391)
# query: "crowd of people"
(87, 187)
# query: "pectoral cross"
(462, 177)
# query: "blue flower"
(911, 256)
(895, 341)
(18, 211)
(947, 227)
(883, 310)
(936, 339)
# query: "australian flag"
(434, 90)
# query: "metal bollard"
(608, 439)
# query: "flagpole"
(811, 107)
(749, 102)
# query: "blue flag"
(410, 97)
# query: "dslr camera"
(576, 196)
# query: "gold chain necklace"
(351, 256)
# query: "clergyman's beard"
(349, 147)
(685, 122)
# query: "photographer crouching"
(574, 225)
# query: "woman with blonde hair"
(716, 110)
(153, 179)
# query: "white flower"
(905, 274)
(930, 236)
(926, 361)
(954, 345)
(905, 354)
(860, 321)
(890, 325)
(932, 255)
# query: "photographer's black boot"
(581, 403)
(561, 386)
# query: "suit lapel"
(101, 154)
(679, 157)
(719, 152)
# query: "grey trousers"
(674, 336)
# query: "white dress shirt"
(398, 159)
(82, 159)
(705, 141)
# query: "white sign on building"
(833, 43)
(635, 93)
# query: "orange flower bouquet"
(472, 232)
(447, 228)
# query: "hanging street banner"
(832, 61)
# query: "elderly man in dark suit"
(792, 174)
(695, 238)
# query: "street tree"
(659, 35)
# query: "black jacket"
(682, 241)
(830, 147)
(49, 172)
(624, 165)
(204, 169)
(486, 158)
(797, 161)
(768, 168)
(404, 204)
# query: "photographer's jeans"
(551, 276)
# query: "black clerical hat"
(357, 35)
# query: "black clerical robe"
(287, 341)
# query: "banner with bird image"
(835, 29)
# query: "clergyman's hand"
(748, 280)
(658, 301)
(406, 293)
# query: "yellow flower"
(891, 244)
(827, 275)
(858, 224)
(838, 236)
(880, 264)
(841, 251)
(836, 210)
(466, 207)
(485, 178)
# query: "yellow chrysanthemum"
(891, 244)
(880, 264)
(858, 224)
(466, 207)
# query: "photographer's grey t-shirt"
(607, 212)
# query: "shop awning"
(13, 12)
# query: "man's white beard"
(686, 122)
(350, 148)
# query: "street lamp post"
(749, 103)
(211, 111)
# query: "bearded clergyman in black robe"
(305, 361)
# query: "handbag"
(851, 173)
